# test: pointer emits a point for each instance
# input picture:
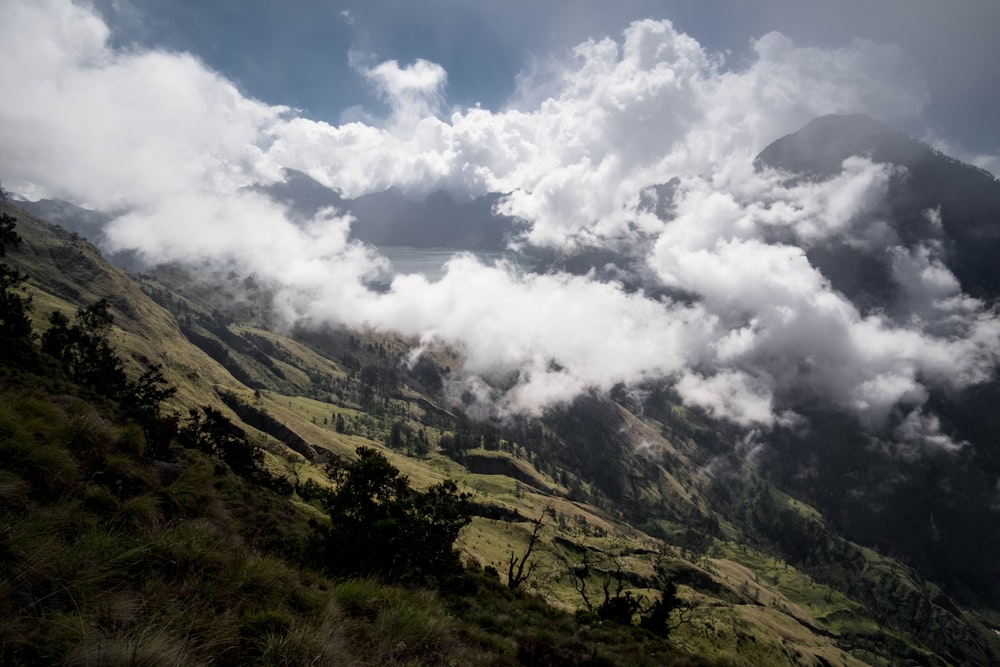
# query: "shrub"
(380, 526)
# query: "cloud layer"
(760, 329)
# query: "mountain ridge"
(966, 198)
(625, 477)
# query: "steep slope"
(66, 273)
(936, 509)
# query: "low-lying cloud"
(759, 329)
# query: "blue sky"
(296, 52)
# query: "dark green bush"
(380, 526)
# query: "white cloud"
(413, 92)
(111, 128)
(729, 394)
(616, 117)
(176, 145)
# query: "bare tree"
(580, 574)
(516, 574)
(661, 616)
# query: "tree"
(145, 394)
(380, 526)
(84, 349)
(619, 605)
(215, 434)
(661, 616)
(397, 435)
(15, 325)
(8, 233)
(90, 360)
(669, 611)
(421, 445)
(516, 574)
(142, 401)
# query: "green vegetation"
(15, 325)
(379, 526)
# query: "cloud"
(616, 116)
(111, 128)
(918, 435)
(759, 331)
(413, 92)
(731, 395)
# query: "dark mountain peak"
(438, 220)
(395, 217)
(819, 148)
(967, 197)
(302, 193)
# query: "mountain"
(828, 550)
(936, 511)
(616, 486)
(966, 200)
(88, 223)
(84, 222)
(392, 218)
(389, 218)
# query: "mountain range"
(827, 548)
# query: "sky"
(169, 113)
(296, 53)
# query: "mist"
(731, 310)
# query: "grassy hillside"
(188, 562)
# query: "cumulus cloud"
(82, 121)
(413, 92)
(758, 328)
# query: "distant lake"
(430, 261)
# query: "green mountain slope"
(616, 488)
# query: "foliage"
(380, 526)
(8, 233)
(669, 611)
(15, 325)
(262, 421)
(84, 350)
(114, 550)
(88, 357)
(213, 433)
